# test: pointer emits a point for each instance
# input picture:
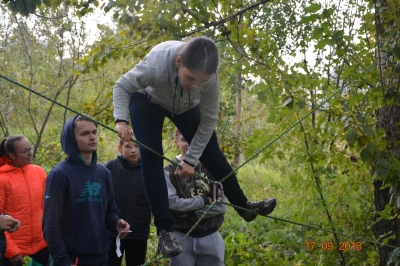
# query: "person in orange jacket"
(21, 196)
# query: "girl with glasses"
(21, 196)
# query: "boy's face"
(182, 144)
(130, 151)
(23, 154)
(86, 136)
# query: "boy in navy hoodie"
(79, 203)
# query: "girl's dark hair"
(7, 146)
(200, 54)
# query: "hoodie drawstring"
(190, 116)
(173, 103)
(179, 101)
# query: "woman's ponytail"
(7, 146)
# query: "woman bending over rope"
(178, 80)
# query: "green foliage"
(267, 241)
(310, 63)
(25, 7)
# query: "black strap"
(121, 120)
(188, 163)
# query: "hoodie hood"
(69, 145)
(7, 166)
(4, 160)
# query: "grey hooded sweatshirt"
(188, 201)
(156, 75)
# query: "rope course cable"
(224, 178)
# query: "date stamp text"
(329, 245)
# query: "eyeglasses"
(26, 150)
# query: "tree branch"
(224, 20)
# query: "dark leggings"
(147, 122)
(135, 252)
(41, 256)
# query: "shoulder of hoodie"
(212, 85)
(167, 46)
(163, 53)
(65, 167)
(34, 171)
(36, 168)
(29, 167)
(110, 163)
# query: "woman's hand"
(15, 225)
(185, 171)
(17, 260)
(124, 131)
(6, 222)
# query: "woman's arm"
(209, 109)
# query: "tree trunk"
(388, 118)
(382, 226)
(238, 120)
(3, 126)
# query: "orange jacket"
(22, 196)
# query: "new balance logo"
(89, 192)
(93, 189)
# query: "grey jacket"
(188, 201)
(155, 75)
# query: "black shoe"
(264, 207)
(168, 245)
